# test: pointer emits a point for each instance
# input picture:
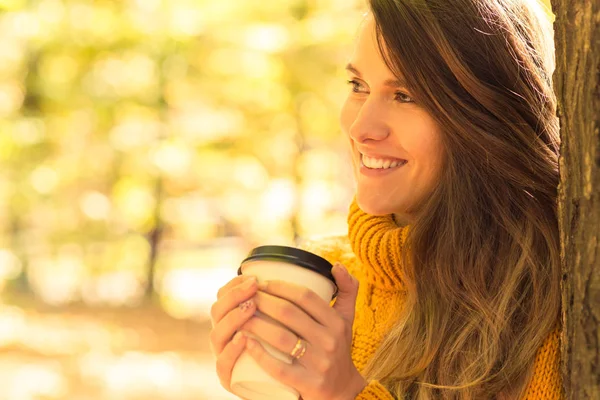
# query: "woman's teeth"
(375, 163)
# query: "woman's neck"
(401, 219)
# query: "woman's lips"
(377, 162)
(377, 172)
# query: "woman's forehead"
(367, 54)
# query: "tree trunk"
(576, 83)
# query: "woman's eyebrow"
(394, 83)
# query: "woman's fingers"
(231, 298)
(228, 357)
(224, 330)
(230, 311)
(303, 297)
(238, 280)
(277, 336)
(291, 316)
(288, 374)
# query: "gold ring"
(299, 349)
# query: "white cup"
(248, 379)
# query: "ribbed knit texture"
(375, 241)
(374, 390)
(371, 254)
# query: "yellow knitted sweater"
(369, 254)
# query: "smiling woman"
(453, 245)
(395, 142)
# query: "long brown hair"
(481, 263)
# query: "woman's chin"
(374, 206)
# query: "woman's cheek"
(347, 115)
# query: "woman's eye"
(404, 98)
(355, 86)
(399, 96)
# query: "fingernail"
(249, 282)
(238, 337)
(339, 266)
(245, 306)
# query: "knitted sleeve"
(546, 382)
(374, 391)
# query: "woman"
(453, 233)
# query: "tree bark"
(576, 83)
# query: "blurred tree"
(577, 84)
(131, 129)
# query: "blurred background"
(145, 147)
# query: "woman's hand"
(326, 370)
(233, 307)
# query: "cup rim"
(295, 256)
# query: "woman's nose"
(369, 123)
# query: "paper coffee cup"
(300, 267)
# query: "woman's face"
(396, 145)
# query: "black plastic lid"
(295, 256)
